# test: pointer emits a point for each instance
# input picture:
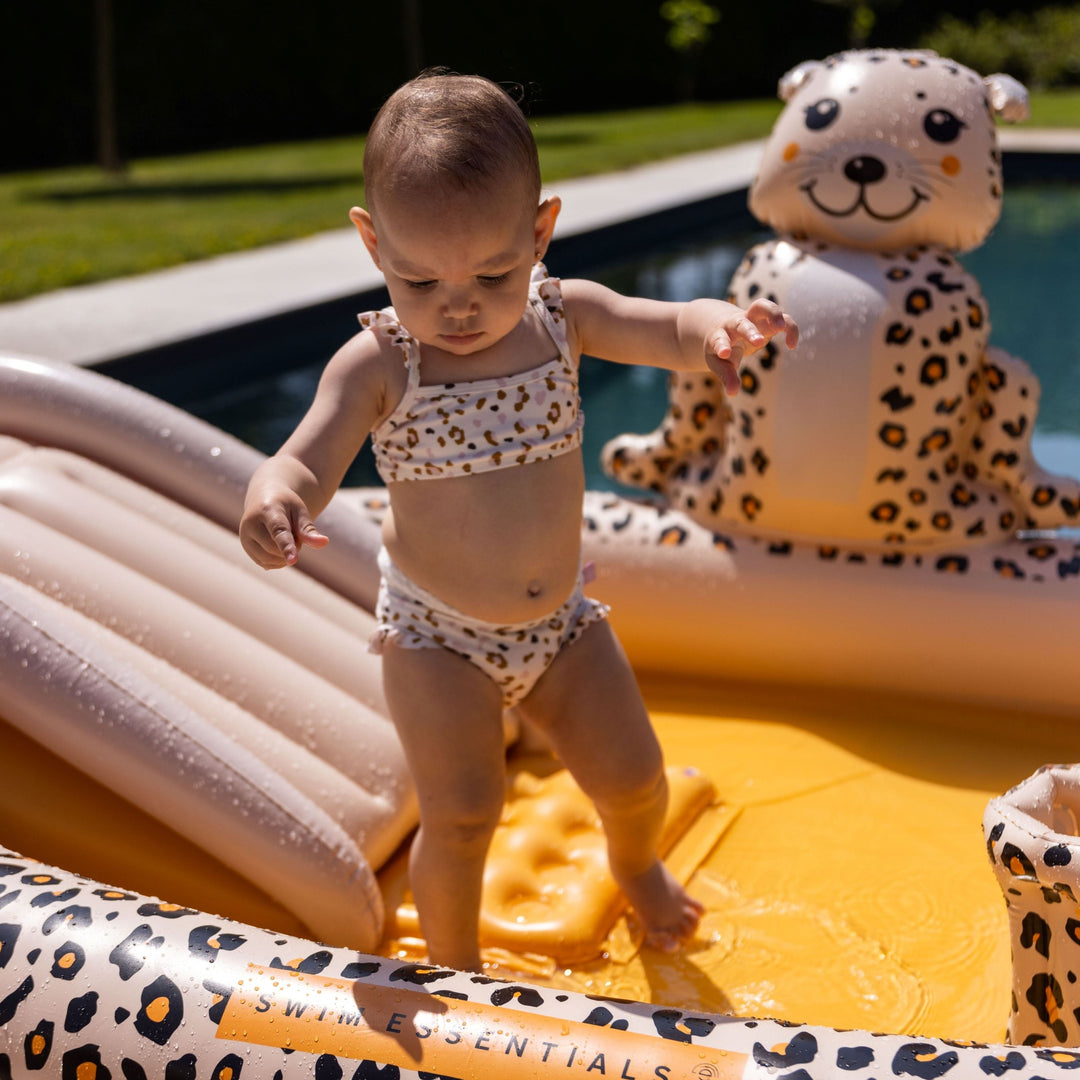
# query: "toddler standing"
(468, 388)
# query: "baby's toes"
(689, 923)
(689, 919)
(663, 941)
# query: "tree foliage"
(1041, 48)
(201, 74)
(862, 18)
(689, 23)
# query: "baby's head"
(449, 134)
(453, 221)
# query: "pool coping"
(128, 322)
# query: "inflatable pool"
(837, 708)
(103, 982)
(168, 728)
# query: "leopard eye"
(822, 113)
(942, 126)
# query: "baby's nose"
(460, 303)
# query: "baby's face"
(458, 265)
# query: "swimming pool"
(1027, 271)
(1030, 277)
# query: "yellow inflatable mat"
(549, 896)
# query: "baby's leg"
(448, 714)
(589, 706)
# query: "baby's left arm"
(689, 336)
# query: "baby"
(468, 388)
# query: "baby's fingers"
(725, 341)
(280, 531)
(747, 330)
(262, 549)
(768, 320)
(723, 359)
(307, 533)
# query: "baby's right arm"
(288, 491)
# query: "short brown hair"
(449, 130)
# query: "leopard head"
(885, 150)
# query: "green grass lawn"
(72, 226)
(1060, 108)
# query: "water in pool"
(1026, 269)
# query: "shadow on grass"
(101, 191)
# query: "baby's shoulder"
(371, 361)
(567, 301)
(587, 303)
(383, 336)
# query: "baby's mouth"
(462, 337)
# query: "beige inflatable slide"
(145, 661)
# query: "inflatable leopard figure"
(894, 425)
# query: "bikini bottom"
(513, 655)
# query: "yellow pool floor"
(850, 886)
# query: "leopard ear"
(796, 78)
(1008, 98)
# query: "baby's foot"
(669, 914)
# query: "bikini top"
(463, 428)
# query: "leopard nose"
(864, 169)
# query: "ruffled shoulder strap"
(385, 324)
(545, 294)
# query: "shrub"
(1041, 48)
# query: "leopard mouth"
(860, 202)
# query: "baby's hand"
(272, 530)
(744, 332)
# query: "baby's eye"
(418, 284)
(494, 279)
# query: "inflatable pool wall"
(101, 983)
(1033, 839)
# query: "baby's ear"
(366, 227)
(796, 78)
(546, 215)
(1008, 98)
